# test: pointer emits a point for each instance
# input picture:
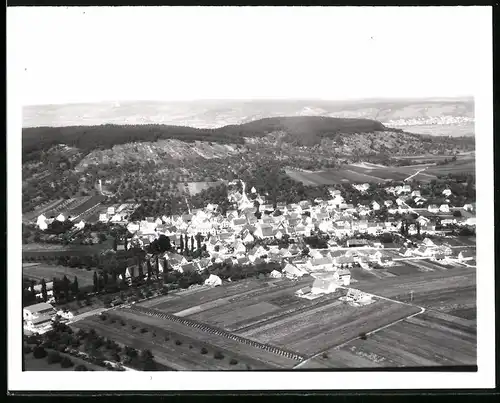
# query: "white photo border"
(212, 381)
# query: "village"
(323, 239)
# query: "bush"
(81, 367)
(54, 357)
(144, 330)
(104, 317)
(233, 361)
(325, 355)
(134, 327)
(178, 342)
(39, 352)
(122, 323)
(363, 336)
(167, 338)
(203, 350)
(190, 346)
(66, 363)
(218, 355)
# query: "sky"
(77, 55)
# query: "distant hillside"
(306, 130)
(448, 116)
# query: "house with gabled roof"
(303, 291)
(433, 208)
(291, 271)
(246, 236)
(425, 251)
(321, 264)
(444, 208)
(275, 274)
(239, 247)
(405, 252)
(428, 242)
(324, 285)
(344, 261)
(264, 231)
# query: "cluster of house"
(43, 222)
(429, 249)
(227, 237)
(117, 214)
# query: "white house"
(468, 207)
(213, 281)
(264, 231)
(65, 314)
(291, 271)
(38, 317)
(61, 218)
(447, 192)
(375, 206)
(41, 222)
(428, 242)
(324, 286)
(48, 286)
(433, 208)
(344, 276)
(80, 225)
(320, 264)
(444, 208)
(275, 274)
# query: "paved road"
(84, 315)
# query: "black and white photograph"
(292, 195)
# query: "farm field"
(47, 272)
(170, 343)
(74, 207)
(371, 173)
(430, 339)
(450, 290)
(254, 310)
(52, 251)
(323, 327)
(182, 301)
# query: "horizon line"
(277, 99)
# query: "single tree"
(96, 282)
(181, 246)
(192, 243)
(32, 289)
(76, 288)
(44, 290)
(149, 268)
(198, 241)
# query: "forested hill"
(303, 130)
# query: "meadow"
(371, 173)
(48, 272)
(430, 339)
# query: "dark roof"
(188, 268)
